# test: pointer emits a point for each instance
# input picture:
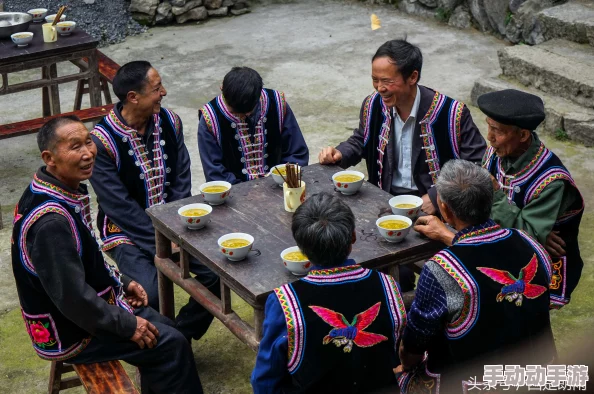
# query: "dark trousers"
(193, 319)
(167, 368)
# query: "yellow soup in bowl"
(405, 206)
(215, 189)
(235, 243)
(347, 178)
(393, 224)
(295, 256)
(194, 212)
(280, 171)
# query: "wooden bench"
(107, 70)
(33, 125)
(99, 378)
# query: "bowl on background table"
(13, 22)
(38, 14)
(65, 28)
(217, 197)
(348, 187)
(22, 39)
(277, 176)
(50, 18)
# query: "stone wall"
(514, 20)
(162, 12)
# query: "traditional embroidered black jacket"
(54, 335)
(343, 325)
(525, 186)
(503, 275)
(147, 172)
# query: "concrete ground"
(318, 52)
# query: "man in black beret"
(534, 191)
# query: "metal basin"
(19, 21)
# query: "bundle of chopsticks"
(59, 14)
(293, 177)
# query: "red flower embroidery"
(230, 253)
(190, 220)
(285, 263)
(410, 212)
(399, 233)
(338, 184)
(223, 250)
(308, 265)
(346, 186)
(390, 233)
(197, 220)
(39, 333)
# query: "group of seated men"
(513, 255)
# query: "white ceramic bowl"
(65, 28)
(235, 254)
(411, 213)
(298, 268)
(50, 18)
(22, 39)
(393, 235)
(195, 222)
(38, 14)
(348, 187)
(277, 178)
(218, 197)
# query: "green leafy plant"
(508, 17)
(561, 135)
(443, 15)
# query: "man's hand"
(135, 295)
(329, 155)
(435, 229)
(146, 333)
(555, 245)
(409, 360)
(428, 206)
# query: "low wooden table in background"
(39, 54)
(256, 208)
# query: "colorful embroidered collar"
(476, 231)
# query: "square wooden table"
(40, 54)
(256, 208)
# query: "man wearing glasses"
(407, 132)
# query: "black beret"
(513, 107)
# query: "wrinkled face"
(72, 158)
(505, 139)
(389, 83)
(149, 99)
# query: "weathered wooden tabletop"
(78, 40)
(256, 208)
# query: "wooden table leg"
(166, 300)
(54, 90)
(45, 98)
(226, 298)
(258, 322)
(94, 85)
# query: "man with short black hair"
(247, 130)
(482, 301)
(407, 132)
(76, 307)
(142, 161)
(335, 330)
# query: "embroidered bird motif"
(516, 289)
(345, 333)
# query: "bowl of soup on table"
(235, 246)
(38, 14)
(22, 39)
(279, 170)
(65, 28)
(195, 216)
(348, 182)
(295, 261)
(394, 227)
(406, 205)
(215, 192)
(50, 18)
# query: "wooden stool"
(98, 378)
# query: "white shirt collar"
(414, 109)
